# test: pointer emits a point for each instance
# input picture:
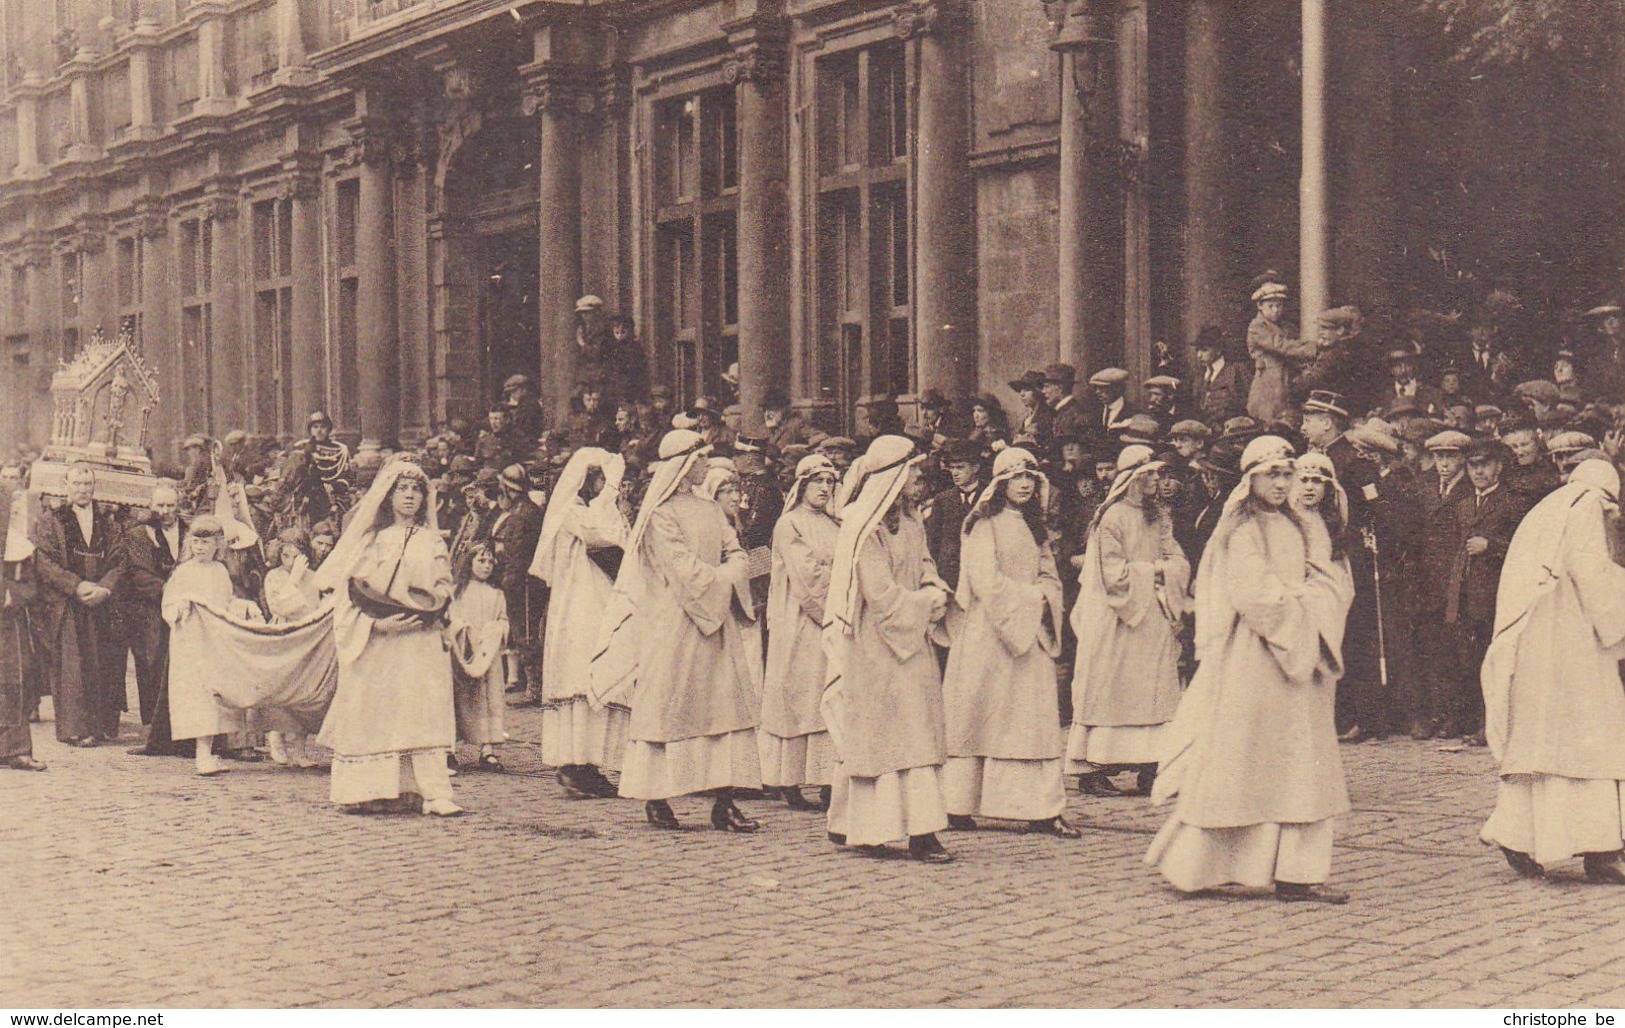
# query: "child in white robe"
(478, 631)
(199, 580)
(290, 594)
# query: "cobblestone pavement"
(130, 882)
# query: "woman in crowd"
(578, 554)
(478, 630)
(795, 744)
(1252, 756)
(392, 577)
(1004, 753)
(883, 704)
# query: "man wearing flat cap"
(1436, 649)
(1162, 399)
(1111, 410)
(1343, 360)
(514, 534)
(1218, 389)
(1484, 521)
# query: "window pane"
(839, 119)
(722, 269)
(284, 237)
(264, 230)
(348, 383)
(347, 203)
(720, 140)
(206, 256)
(126, 272)
(70, 285)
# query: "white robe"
(1554, 704)
(1125, 684)
(194, 712)
(795, 744)
(572, 732)
(395, 690)
(1252, 754)
(699, 694)
(478, 629)
(999, 691)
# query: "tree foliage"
(1513, 31)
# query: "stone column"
(142, 124)
(81, 146)
(377, 346)
(764, 215)
(1365, 234)
(293, 69)
(212, 96)
(228, 362)
(944, 199)
(554, 92)
(27, 100)
(302, 187)
(1313, 261)
(1089, 217)
(1134, 128)
(1206, 271)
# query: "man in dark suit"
(1035, 427)
(514, 534)
(79, 551)
(1218, 388)
(153, 548)
(1484, 519)
(1067, 417)
(945, 525)
(1436, 647)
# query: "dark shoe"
(1059, 827)
(598, 787)
(824, 798)
(1293, 892)
(489, 762)
(928, 850)
(725, 817)
(405, 803)
(794, 799)
(1523, 863)
(660, 815)
(1097, 784)
(1421, 731)
(837, 838)
(961, 823)
(1604, 869)
(1354, 735)
(244, 756)
(146, 751)
(451, 762)
(575, 783)
(1145, 780)
(22, 763)
(1476, 740)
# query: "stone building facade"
(381, 208)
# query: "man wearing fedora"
(1217, 389)
(1067, 417)
(1034, 429)
(944, 525)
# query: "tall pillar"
(1134, 128)
(1206, 271)
(293, 69)
(27, 101)
(302, 187)
(1089, 216)
(944, 199)
(142, 119)
(1366, 237)
(553, 92)
(81, 146)
(1313, 263)
(212, 95)
(764, 215)
(377, 349)
(228, 356)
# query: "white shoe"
(441, 808)
(279, 752)
(208, 764)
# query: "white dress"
(479, 629)
(395, 691)
(795, 744)
(1003, 708)
(573, 733)
(194, 712)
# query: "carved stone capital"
(89, 234)
(372, 141)
(151, 217)
(558, 86)
(759, 47)
(220, 200)
(36, 250)
(615, 89)
(923, 17)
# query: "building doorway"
(509, 327)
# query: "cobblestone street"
(130, 882)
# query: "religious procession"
(1307, 539)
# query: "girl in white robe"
(1004, 749)
(199, 580)
(392, 578)
(1131, 598)
(1554, 706)
(795, 744)
(1252, 757)
(477, 625)
(582, 531)
(675, 645)
(290, 595)
(883, 703)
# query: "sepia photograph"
(806, 504)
